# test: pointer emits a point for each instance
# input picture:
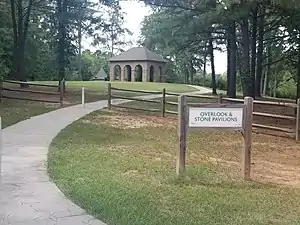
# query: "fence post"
(109, 96)
(246, 152)
(82, 97)
(1, 151)
(298, 120)
(61, 91)
(163, 103)
(1, 90)
(182, 133)
(220, 98)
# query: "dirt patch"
(274, 160)
(269, 172)
(263, 171)
(126, 121)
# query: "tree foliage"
(259, 36)
(42, 39)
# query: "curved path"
(201, 89)
(27, 196)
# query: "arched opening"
(160, 74)
(138, 73)
(117, 72)
(127, 69)
(151, 74)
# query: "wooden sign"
(215, 117)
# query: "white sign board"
(210, 117)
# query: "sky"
(135, 12)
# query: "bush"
(220, 80)
(221, 83)
(287, 89)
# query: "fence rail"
(220, 99)
(137, 91)
(113, 96)
(59, 94)
(29, 83)
(285, 104)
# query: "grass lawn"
(102, 85)
(120, 167)
(13, 111)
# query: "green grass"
(121, 168)
(13, 112)
(102, 86)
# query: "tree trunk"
(15, 38)
(204, 69)
(79, 44)
(20, 64)
(231, 82)
(213, 73)
(228, 60)
(62, 8)
(260, 51)
(20, 22)
(275, 85)
(298, 75)
(239, 60)
(186, 72)
(253, 46)
(112, 45)
(262, 81)
(191, 72)
(246, 79)
(21, 43)
(268, 70)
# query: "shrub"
(287, 89)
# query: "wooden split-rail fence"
(8, 90)
(161, 100)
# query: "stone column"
(159, 74)
(163, 78)
(155, 73)
(111, 72)
(146, 74)
(122, 74)
(132, 75)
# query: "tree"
(163, 32)
(20, 16)
(5, 40)
(111, 33)
(250, 27)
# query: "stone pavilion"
(138, 64)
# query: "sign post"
(1, 151)
(193, 117)
(247, 134)
(182, 132)
(82, 97)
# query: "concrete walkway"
(27, 196)
(201, 90)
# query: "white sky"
(135, 13)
